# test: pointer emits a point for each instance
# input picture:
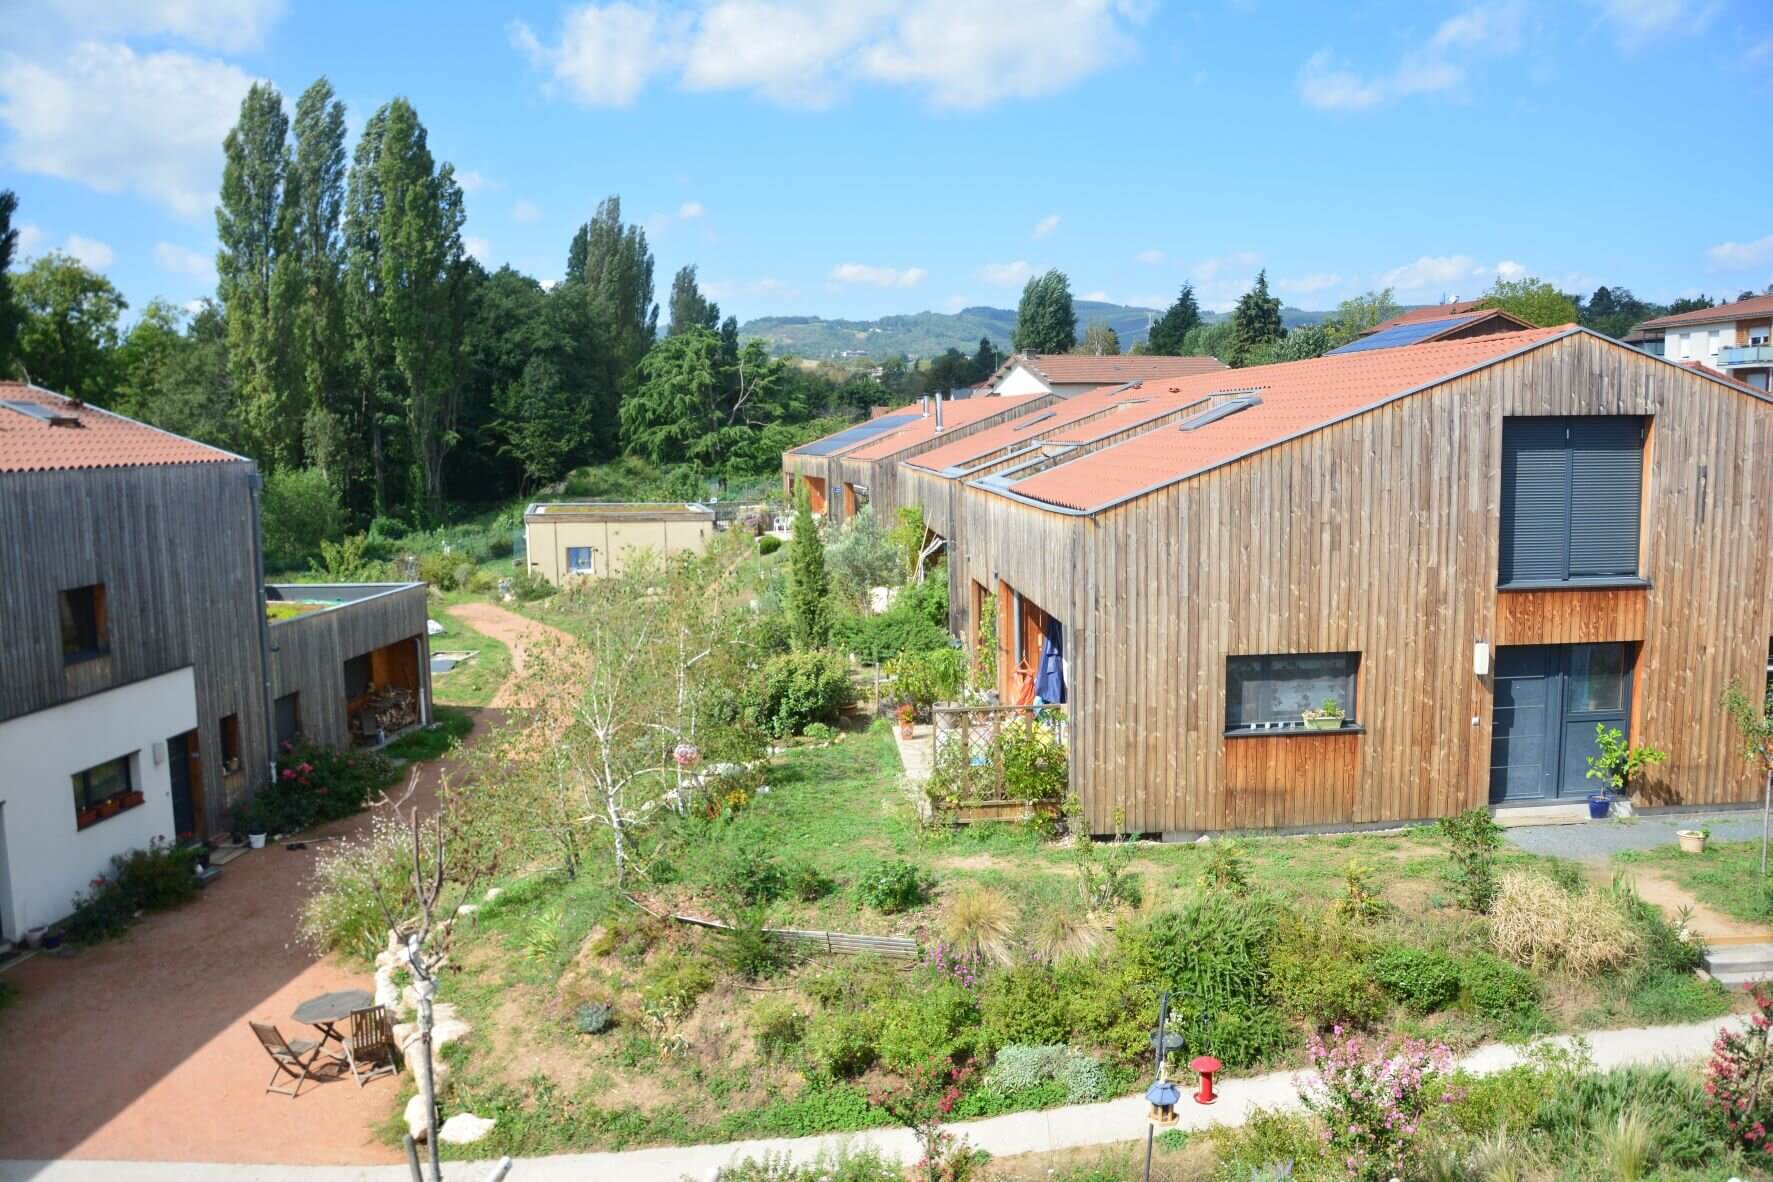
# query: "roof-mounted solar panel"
(1223, 410)
(853, 436)
(1036, 419)
(1406, 334)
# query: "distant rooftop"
(617, 511)
(1106, 369)
(1761, 305)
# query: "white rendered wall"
(1019, 381)
(46, 860)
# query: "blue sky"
(868, 157)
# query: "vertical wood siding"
(309, 654)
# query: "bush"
(845, 1165)
(1421, 979)
(895, 886)
(1022, 1068)
(843, 1044)
(797, 688)
(153, 879)
(749, 949)
(923, 678)
(299, 510)
(1372, 1099)
(593, 1017)
(820, 732)
(1227, 868)
(341, 913)
(937, 1022)
(439, 570)
(1473, 838)
(777, 1027)
(805, 882)
(768, 544)
(1213, 956)
(977, 922)
(1320, 975)
(1499, 990)
(1023, 1005)
(747, 874)
(673, 984)
(1741, 1059)
(916, 621)
(1537, 924)
(1095, 994)
(313, 784)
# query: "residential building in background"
(1735, 339)
(564, 540)
(1068, 374)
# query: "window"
(1274, 692)
(288, 710)
(578, 560)
(230, 744)
(84, 631)
(357, 677)
(102, 792)
(1572, 491)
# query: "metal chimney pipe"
(938, 412)
(923, 405)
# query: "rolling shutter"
(1606, 487)
(1535, 499)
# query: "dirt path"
(138, 1049)
(1707, 922)
(514, 631)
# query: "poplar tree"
(1045, 321)
(9, 313)
(689, 307)
(613, 261)
(310, 279)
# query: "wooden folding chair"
(369, 1046)
(294, 1059)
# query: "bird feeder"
(1162, 1096)
(1206, 1066)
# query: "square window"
(578, 560)
(1273, 692)
(102, 792)
(85, 633)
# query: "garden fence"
(967, 736)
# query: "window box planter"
(1323, 724)
(130, 799)
(969, 812)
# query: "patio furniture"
(324, 1013)
(294, 1059)
(369, 1046)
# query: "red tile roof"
(1761, 305)
(1428, 312)
(1297, 397)
(1720, 375)
(1113, 402)
(101, 440)
(1103, 370)
(954, 414)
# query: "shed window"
(1572, 498)
(288, 713)
(230, 727)
(1274, 692)
(102, 792)
(578, 560)
(85, 631)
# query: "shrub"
(777, 1027)
(593, 1017)
(313, 784)
(1667, 947)
(916, 621)
(923, 1025)
(1361, 901)
(1020, 1006)
(1537, 924)
(1024, 761)
(439, 569)
(151, 879)
(977, 921)
(1227, 868)
(1499, 990)
(673, 984)
(1473, 838)
(929, 676)
(1372, 1099)
(1095, 994)
(747, 874)
(895, 886)
(819, 731)
(843, 1165)
(768, 544)
(1422, 979)
(1023, 1067)
(300, 510)
(805, 882)
(1735, 1087)
(341, 913)
(1320, 975)
(1061, 933)
(749, 949)
(796, 688)
(1213, 956)
(843, 1044)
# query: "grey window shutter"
(1535, 499)
(1606, 486)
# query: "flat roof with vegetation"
(617, 511)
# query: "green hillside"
(926, 334)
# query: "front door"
(178, 765)
(1549, 699)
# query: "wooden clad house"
(141, 682)
(1479, 548)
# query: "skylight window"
(1222, 411)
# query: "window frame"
(1294, 726)
(89, 811)
(86, 647)
(1508, 512)
(231, 754)
(590, 553)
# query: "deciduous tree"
(1100, 340)
(69, 339)
(689, 307)
(9, 311)
(1533, 300)
(1045, 321)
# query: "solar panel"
(1223, 410)
(37, 410)
(1403, 334)
(851, 436)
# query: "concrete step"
(1747, 961)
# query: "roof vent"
(38, 410)
(1223, 410)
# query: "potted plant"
(907, 719)
(1327, 717)
(1618, 765)
(1692, 840)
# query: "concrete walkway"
(1022, 1132)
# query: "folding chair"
(369, 1046)
(294, 1059)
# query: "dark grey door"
(1549, 699)
(178, 766)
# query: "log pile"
(392, 708)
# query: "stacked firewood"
(393, 708)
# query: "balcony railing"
(1739, 356)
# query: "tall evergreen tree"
(252, 231)
(1045, 321)
(1256, 321)
(689, 307)
(9, 312)
(310, 279)
(1171, 329)
(984, 361)
(809, 584)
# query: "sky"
(867, 157)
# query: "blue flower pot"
(1599, 805)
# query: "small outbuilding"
(592, 539)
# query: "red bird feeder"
(1206, 1065)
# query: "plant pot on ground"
(1600, 804)
(1692, 840)
(907, 719)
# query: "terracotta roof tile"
(1296, 397)
(1761, 305)
(954, 414)
(1428, 312)
(1070, 368)
(101, 440)
(1077, 412)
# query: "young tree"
(1100, 340)
(1754, 723)
(985, 361)
(1533, 300)
(1170, 332)
(1045, 321)
(69, 339)
(689, 308)
(1256, 321)
(862, 556)
(9, 311)
(809, 586)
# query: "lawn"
(601, 1023)
(477, 679)
(448, 725)
(1726, 876)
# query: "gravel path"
(1597, 841)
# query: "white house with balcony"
(1736, 338)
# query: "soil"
(137, 1049)
(516, 632)
(1707, 922)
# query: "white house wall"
(1020, 381)
(45, 861)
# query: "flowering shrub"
(1371, 1099)
(921, 1102)
(967, 968)
(313, 784)
(1025, 760)
(1737, 1082)
(142, 880)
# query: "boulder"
(464, 1128)
(415, 1119)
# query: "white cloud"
(524, 210)
(549, 284)
(91, 251)
(473, 181)
(1007, 274)
(1430, 68)
(1639, 24)
(689, 211)
(477, 248)
(113, 119)
(1099, 297)
(192, 307)
(1509, 269)
(1151, 258)
(1431, 271)
(957, 53)
(1741, 256)
(877, 276)
(30, 237)
(211, 24)
(1305, 285)
(181, 260)
(1046, 225)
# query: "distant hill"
(927, 334)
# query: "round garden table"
(325, 1012)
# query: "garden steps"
(1740, 964)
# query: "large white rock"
(464, 1128)
(415, 1119)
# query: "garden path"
(1022, 1132)
(516, 632)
